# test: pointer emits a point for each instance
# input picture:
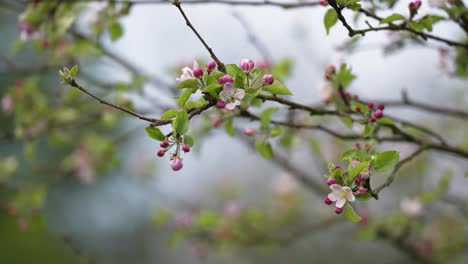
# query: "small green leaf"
(155, 133)
(181, 123)
(385, 161)
(277, 88)
(391, 18)
(266, 115)
(188, 140)
(115, 30)
(169, 114)
(353, 172)
(228, 126)
(353, 154)
(385, 121)
(264, 148)
(347, 121)
(189, 83)
(275, 131)
(74, 70)
(183, 97)
(350, 214)
(330, 19)
(368, 130)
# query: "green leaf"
(344, 76)
(330, 19)
(193, 104)
(391, 18)
(189, 83)
(369, 130)
(181, 123)
(233, 70)
(277, 88)
(115, 30)
(350, 214)
(353, 172)
(155, 133)
(183, 97)
(228, 126)
(74, 70)
(266, 115)
(353, 154)
(169, 114)
(385, 121)
(264, 148)
(347, 121)
(282, 69)
(188, 140)
(275, 131)
(385, 161)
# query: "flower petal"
(333, 196)
(229, 88)
(224, 96)
(239, 94)
(188, 72)
(232, 105)
(340, 203)
(336, 188)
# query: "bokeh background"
(109, 216)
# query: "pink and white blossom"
(231, 95)
(340, 195)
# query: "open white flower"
(187, 74)
(340, 195)
(231, 95)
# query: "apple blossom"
(268, 79)
(187, 74)
(225, 79)
(249, 131)
(246, 65)
(340, 195)
(210, 66)
(231, 95)
(176, 164)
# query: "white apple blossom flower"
(411, 207)
(187, 73)
(340, 195)
(325, 92)
(231, 95)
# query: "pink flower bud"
(362, 190)
(246, 65)
(225, 79)
(164, 144)
(338, 210)
(186, 148)
(354, 163)
(220, 104)
(176, 164)
(337, 167)
(331, 181)
(373, 120)
(378, 114)
(249, 131)
(197, 72)
(327, 201)
(268, 79)
(412, 6)
(358, 109)
(210, 66)
(330, 69)
(417, 3)
(160, 153)
(381, 107)
(323, 2)
(358, 179)
(357, 145)
(327, 77)
(370, 106)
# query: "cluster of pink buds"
(175, 160)
(342, 194)
(414, 5)
(373, 114)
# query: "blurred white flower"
(412, 207)
(325, 92)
